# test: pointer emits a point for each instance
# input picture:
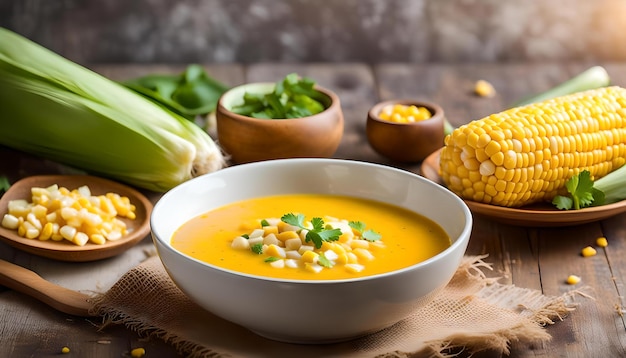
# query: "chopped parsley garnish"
(246, 236)
(264, 223)
(272, 259)
(257, 248)
(318, 234)
(322, 260)
(369, 234)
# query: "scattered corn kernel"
(58, 213)
(363, 254)
(293, 255)
(46, 231)
(484, 89)
(270, 230)
(278, 264)
(602, 242)
(10, 222)
(97, 239)
(400, 113)
(354, 268)
(573, 279)
(274, 250)
(65, 350)
(310, 256)
(313, 267)
(270, 239)
(137, 352)
(80, 238)
(240, 242)
(291, 263)
(588, 251)
(293, 244)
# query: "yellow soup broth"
(408, 238)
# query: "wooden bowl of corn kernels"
(405, 130)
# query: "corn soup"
(374, 237)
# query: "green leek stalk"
(59, 110)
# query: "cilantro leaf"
(580, 188)
(293, 219)
(330, 235)
(369, 234)
(582, 194)
(264, 223)
(315, 238)
(563, 202)
(272, 259)
(257, 248)
(357, 225)
(318, 224)
(322, 260)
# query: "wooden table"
(532, 257)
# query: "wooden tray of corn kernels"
(533, 215)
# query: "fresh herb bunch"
(292, 97)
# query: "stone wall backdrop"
(370, 31)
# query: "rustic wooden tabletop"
(533, 257)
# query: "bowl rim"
(335, 104)
(435, 109)
(463, 237)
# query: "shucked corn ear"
(57, 109)
(526, 154)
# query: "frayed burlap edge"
(106, 306)
(540, 310)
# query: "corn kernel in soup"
(409, 238)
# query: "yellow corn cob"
(526, 154)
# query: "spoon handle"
(28, 282)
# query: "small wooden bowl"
(405, 142)
(139, 228)
(245, 139)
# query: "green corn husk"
(57, 109)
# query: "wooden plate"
(534, 215)
(64, 250)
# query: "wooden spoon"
(28, 282)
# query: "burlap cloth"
(472, 313)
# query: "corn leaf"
(57, 109)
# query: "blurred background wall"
(371, 31)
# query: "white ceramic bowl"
(336, 310)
